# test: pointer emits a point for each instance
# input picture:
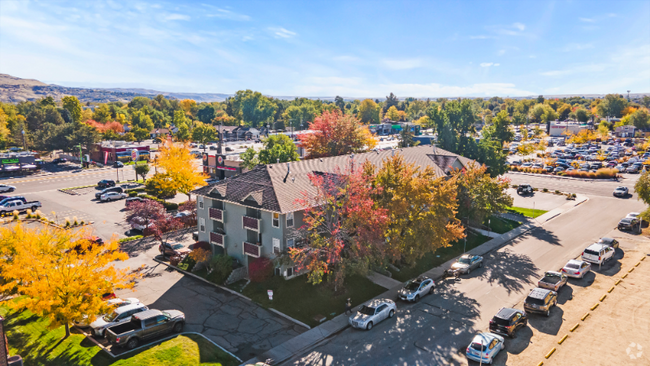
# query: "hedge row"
(603, 173)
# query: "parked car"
(112, 196)
(630, 224)
(416, 289)
(465, 264)
(105, 183)
(117, 316)
(172, 249)
(113, 303)
(621, 192)
(485, 347)
(195, 236)
(130, 200)
(228, 148)
(145, 325)
(373, 313)
(507, 321)
(540, 300)
(609, 242)
(524, 189)
(552, 280)
(99, 194)
(576, 268)
(118, 164)
(59, 160)
(18, 204)
(633, 169)
(6, 188)
(598, 253)
(140, 224)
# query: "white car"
(598, 253)
(576, 269)
(6, 188)
(485, 347)
(416, 289)
(634, 215)
(139, 224)
(118, 316)
(113, 303)
(371, 314)
(112, 196)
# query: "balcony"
(217, 239)
(252, 249)
(216, 214)
(251, 223)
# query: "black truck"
(145, 325)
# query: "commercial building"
(19, 163)
(257, 214)
(221, 166)
(108, 152)
(559, 129)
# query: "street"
(438, 328)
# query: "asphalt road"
(596, 187)
(438, 328)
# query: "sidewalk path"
(383, 281)
(309, 339)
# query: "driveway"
(235, 323)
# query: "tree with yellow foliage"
(581, 137)
(59, 273)
(392, 113)
(177, 173)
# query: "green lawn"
(528, 212)
(302, 300)
(431, 260)
(29, 336)
(500, 225)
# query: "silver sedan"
(371, 314)
(576, 269)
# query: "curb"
(567, 178)
(290, 318)
(202, 279)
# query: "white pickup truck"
(19, 204)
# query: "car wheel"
(548, 313)
(132, 343)
(468, 271)
(369, 326)
(178, 327)
(12, 189)
(431, 289)
(34, 208)
(512, 334)
(480, 265)
(417, 298)
(391, 314)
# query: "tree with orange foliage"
(60, 274)
(336, 134)
(103, 127)
(177, 172)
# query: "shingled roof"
(277, 187)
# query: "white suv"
(598, 253)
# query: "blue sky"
(327, 48)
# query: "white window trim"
(201, 224)
(292, 219)
(201, 205)
(273, 219)
(277, 244)
(293, 243)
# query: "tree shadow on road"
(135, 247)
(544, 235)
(509, 270)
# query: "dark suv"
(105, 183)
(524, 189)
(629, 224)
(507, 321)
(540, 300)
(106, 190)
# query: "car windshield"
(464, 260)
(479, 347)
(413, 286)
(367, 310)
(572, 266)
(626, 221)
(177, 246)
(110, 317)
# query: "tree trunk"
(67, 330)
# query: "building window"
(276, 246)
(200, 199)
(201, 224)
(290, 219)
(289, 271)
(290, 243)
(276, 219)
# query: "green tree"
(340, 103)
(406, 138)
(612, 106)
(142, 170)
(203, 133)
(563, 112)
(480, 195)
(140, 134)
(142, 121)
(72, 105)
(642, 189)
(102, 113)
(206, 113)
(250, 159)
(499, 130)
(252, 107)
(391, 101)
(183, 133)
(582, 115)
(392, 113)
(640, 118)
(276, 148)
(299, 116)
(47, 101)
(368, 111)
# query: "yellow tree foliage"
(628, 110)
(59, 274)
(392, 113)
(581, 137)
(178, 172)
(187, 104)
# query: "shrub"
(130, 238)
(557, 192)
(169, 206)
(200, 255)
(535, 189)
(221, 268)
(202, 245)
(133, 194)
(260, 269)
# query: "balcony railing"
(251, 223)
(217, 238)
(216, 214)
(252, 249)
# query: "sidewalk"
(304, 341)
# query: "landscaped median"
(28, 335)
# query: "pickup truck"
(18, 205)
(145, 325)
(553, 281)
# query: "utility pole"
(24, 143)
(81, 158)
(628, 96)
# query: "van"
(598, 253)
(540, 300)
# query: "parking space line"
(575, 327)
(603, 297)
(594, 307)
(550, 352)
(611, 289)
(563, 339)
(585, 316)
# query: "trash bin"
(15, 361)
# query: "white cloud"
(578, 69)
(577, 47)
(279, 32)
(519, 26)
(501, 52)
(227, 14)
(587, 20)
(177, 17)
(402, 64)
(489, 64)
(481, 36)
